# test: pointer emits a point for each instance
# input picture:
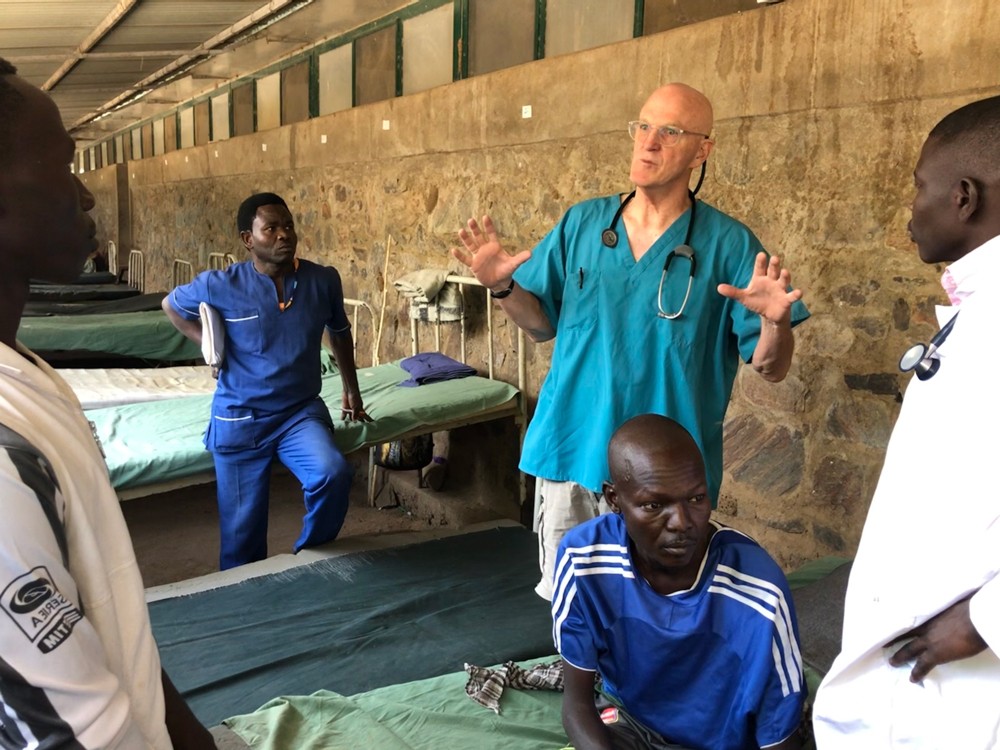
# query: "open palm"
(484, 255)
(767, 293)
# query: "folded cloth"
(446, 307)
(485, 686)
(422, 285)
(213, 337)
(431, 367)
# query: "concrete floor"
(176, 534)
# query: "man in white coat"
(919, 664)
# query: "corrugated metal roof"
(95, 55)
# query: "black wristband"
(504, 292)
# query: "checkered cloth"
(485, 686)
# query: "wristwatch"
(503, 292)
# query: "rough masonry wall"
(821, 108)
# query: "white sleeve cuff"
(984, 610)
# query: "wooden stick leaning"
(385, 292)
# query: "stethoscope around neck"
(918, 358)
(609, 237)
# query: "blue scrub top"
(272, 356)
(615, 358)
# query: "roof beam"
(100, 31)
(77, 56)
(260, 19)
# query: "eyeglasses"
(668, 134)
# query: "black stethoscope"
(609, 237)
(920, 359)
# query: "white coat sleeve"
(984, 608)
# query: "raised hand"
(767, 293)
(485, 257)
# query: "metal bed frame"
(136, 276)
(517, 409)
(220, 261)
(181, 272)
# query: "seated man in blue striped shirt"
(688, 624)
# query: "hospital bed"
(100, 387)
(156, 445)
(91, 287)
(369, 646)
(146, 336)
(103, 333)
(103, 387)
(138, 303)
(85, 278)
(79, 292)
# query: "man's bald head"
(693, 107)
(649, 440)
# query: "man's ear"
(611, 497)
(967, 195)
(247, 238)
(704, 149)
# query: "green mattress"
(436, 714)
(160, 441)
(431, 714)
(143, 335)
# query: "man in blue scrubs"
(275, 308)
(621, 348)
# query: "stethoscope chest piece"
(609, 237)
(915, 358)
(918, 358)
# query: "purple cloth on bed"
(430, 367)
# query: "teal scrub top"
(615, 358)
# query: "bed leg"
(371, 477)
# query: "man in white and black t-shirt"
(78, 664)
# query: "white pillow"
(213, 337)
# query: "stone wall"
(821, 108)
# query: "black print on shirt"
(39, 609)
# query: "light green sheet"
(157, 441)
(432, 714)
(145, 335)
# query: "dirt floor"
(176, 534)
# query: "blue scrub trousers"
(304, 443)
